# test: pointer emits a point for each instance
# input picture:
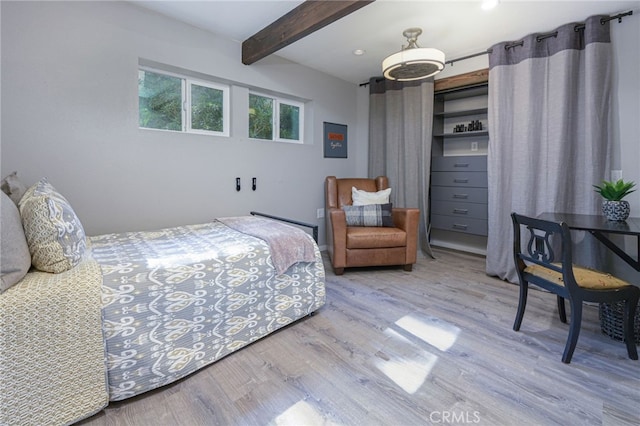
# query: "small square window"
(260, 117)
(273, 118)
(289, 122)
(160, 101)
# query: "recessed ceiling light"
(489, 4)
(359, 52)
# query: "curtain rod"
(541, 37)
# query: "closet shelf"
(462, 134)
(451, 114)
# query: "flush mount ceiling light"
(413, 62)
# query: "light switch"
(616, 175)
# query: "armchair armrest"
(408, 219)
(337, 236)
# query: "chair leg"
(338, 271)
(408, 267)
(522, 303)
(574, 330)
(629, 319)
(561, 309)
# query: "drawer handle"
(461, 180)
(461, 165)
(459, 226)
(461, 196)
(461, 211)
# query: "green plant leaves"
(615, 191)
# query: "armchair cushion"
(362, 237)
(363, 198)
(369, 215)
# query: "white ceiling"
(458, 28)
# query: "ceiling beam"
(308, 17)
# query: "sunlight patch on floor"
(431, 330)
(409, 370)
(302, 413)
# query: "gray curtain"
(550, 133)
(400, 131)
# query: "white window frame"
(226, 106)
(187, 82)
(277, 101)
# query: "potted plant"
(613, 205)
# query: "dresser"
(459, 194)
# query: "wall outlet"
(474, 146)
(320, 213)
(616, 175)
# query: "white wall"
(625, 38)
(70, 113)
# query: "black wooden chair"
(539, 264)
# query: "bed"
(139, 310)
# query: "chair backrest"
(548, 244)
(338, 191)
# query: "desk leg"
(617, 250)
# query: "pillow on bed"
(363, 198)
(13, 187)
(54, 233)
(369, 215)
(13, 245)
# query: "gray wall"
(69, 112)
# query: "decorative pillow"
(363, 198)
(369, 215)
(54, 233)
(13, 245)
(13, 187)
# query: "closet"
(458, 191)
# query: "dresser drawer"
(476, 163)
(459, 209)
(459, 224)
(447, 193)
(464, 179)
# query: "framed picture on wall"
(335, 140)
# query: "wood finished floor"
(432, 346)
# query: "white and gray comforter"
(179, 299)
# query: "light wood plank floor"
(432, 346)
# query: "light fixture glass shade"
(413, 64)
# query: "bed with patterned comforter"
(181, 298)
(155, 307)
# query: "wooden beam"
(308, 17)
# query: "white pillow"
(364, 198)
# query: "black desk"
(598, 226)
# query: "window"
(272, 118)
(171, 102)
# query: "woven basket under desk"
(611, 315)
